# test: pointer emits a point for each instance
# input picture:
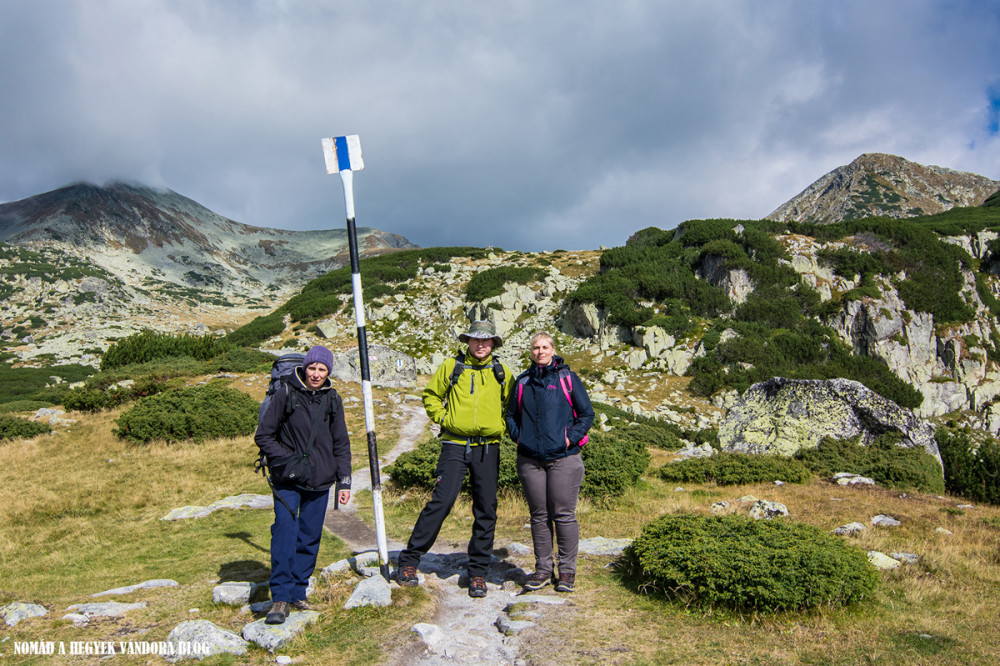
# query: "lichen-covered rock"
(211, 639)
(784, 415)
(19, 610)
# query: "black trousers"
(483, 464)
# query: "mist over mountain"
(143, 234)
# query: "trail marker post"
(343, 155)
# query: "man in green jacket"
(468, 405)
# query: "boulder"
(387, 367)
(784, 415)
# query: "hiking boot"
(407, 576)
(477, 587)
(278, 613)
(301, 605)
(537, 581)
(566, 582)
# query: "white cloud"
(518, 124)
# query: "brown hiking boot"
(537, 581)
(567, 583)
(278, 613)
(407, 576)
(477, 587)
(301, 605)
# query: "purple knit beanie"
(319, 354)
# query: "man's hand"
(343, 496)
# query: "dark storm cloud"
(518, 124)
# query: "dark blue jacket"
(544, 418)
(331, 452)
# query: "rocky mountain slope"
(85, 263)
(146, 236)
(877, 184)
(68, 311)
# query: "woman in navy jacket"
(548, 415)
(301, 508)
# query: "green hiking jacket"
(476, 404)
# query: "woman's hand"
(567, 441)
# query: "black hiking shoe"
(278, 613)
(537, 581)
(407, 576)
(477, 587)
(567, 583)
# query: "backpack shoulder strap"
(566, 382)
(455, 373)
(499, 373)
(521, 381)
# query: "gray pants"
(552, 489)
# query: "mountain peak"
(147, 234)
(879, 184)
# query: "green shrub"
(728, 468)
(746, 565)
(417, 468)
(149, 345)
(197, 413)
(97, 396)
(645, 432)
(23, 406)
(13, 427)
(614, 462)
(490, 282)
(882, 460)
(971, 468)
(612, 466)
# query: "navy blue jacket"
(331, 452)
(544, 418)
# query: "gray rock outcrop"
(387, 367)
(783, 415)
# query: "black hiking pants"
(482, 462)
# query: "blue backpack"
(283, 372)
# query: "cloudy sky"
(531, 125)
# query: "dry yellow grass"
(80, 513)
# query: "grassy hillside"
(81, 512)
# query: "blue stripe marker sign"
(343, 156)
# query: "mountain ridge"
(879, 184)
(143, 234)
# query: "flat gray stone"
(431, 634)
(885, 521)
(272, 637)
(906, 558)
(372, 591)
(105, 608)
(881, 560)
(850, 529)
(197, 639)
(508, 626)
(542, 599)
(602, 546)
(145, 585)
(20, 610)
(246, 501)
(234, 593)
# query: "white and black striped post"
(343, 155)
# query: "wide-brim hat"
(482, 330)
